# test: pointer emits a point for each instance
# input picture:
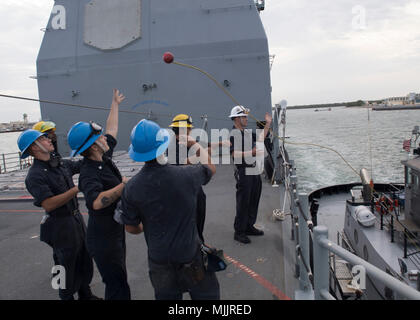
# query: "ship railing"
(410, 237)
(284, 171)
(10, 162)
(314, 276)
(323, 246)
(312, 265)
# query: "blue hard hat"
(25, 140)
(148, 141)
(82, 135)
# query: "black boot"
(254, 232)
(241, 237)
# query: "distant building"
(15, 126)
(396, 101)
(410, 99)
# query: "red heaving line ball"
(168, 57)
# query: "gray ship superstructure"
(91, 47)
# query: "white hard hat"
(239, 111)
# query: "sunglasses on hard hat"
(96, 128)
(244, 111)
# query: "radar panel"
(111, 24)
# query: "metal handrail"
(10, 162)
(322, 247)
(298, 206)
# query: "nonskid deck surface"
(257, 270)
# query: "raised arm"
(112, 121)
(268, 120)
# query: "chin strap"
(101, 146)
(41, 147)
(162, 159)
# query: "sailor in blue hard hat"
(39, 141)
(102, 184)
(83, 135)
(148, 141)
(163, 198)
(63, 228)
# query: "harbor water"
(373, 141)
(8, 142)
(366, 139)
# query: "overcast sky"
(326, 50)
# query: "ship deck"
(261, 270)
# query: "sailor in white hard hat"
(239, 111)
(248, 187)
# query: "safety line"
(210, 77)
(103, 108)
(69, 104)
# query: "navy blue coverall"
(64, 228)
(105, 237)
(248, 187)
(164, 198)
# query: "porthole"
(356, 237)
(365, 253)
(389, 294)
(348, 216)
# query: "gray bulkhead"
(119, 44)
(412, 189)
